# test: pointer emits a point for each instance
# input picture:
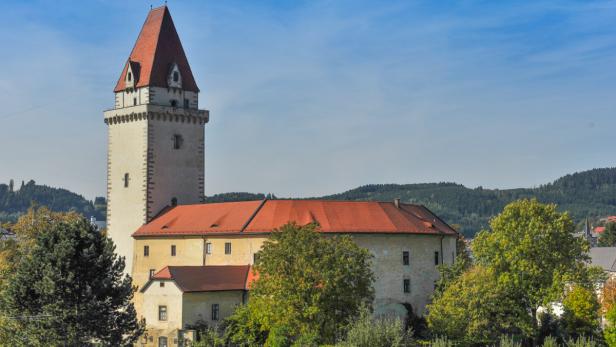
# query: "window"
(130, 76)
(173, 250)
(405, 258)
(227, 247)
(162, 284)
(174, 202)
(126, 179)
(215, 310)
(208, 248)
(174, 103)
(186, 103)
(436, 258)
(255, 258)
(134, 101)
(177, 141)
(162, 341)
(162, 312)
(176, 76)
(406, 284)
(146, 251)
(152, 272)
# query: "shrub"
(550, 342)
(582, 341)
(507, 341)
(441, 342)
(381, 331)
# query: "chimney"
(397, 202)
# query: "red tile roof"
(207, 278)
(333, 217)
(599, 229)
(157, 48)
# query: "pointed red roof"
(157, 48)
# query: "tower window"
(215, 311)
(208, 248)
(134, 101)
(174, 202)
(146, 251)
(406, 285)
(405, 258)
(177, 141)
(176, 76)
(186, 103)
(436, 261)
(173, 250)
(227, 247)
(130, 76)
(126, 179)
(152, 272)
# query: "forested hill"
(14, 201)
(589, 194)
(586, 194)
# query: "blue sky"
(316, 97)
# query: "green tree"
(581, 312)
(608, 237)
(532, 250)
(449, 273)
(475, 309)
(69, 289)
(310, 287)
(609, 332)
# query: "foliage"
(380, 331)
(550, 342)
(508, 341)
(581, 312)
(608, 295)
(449, 273)
(476, 310)
(586, 194)
(608, 236)
(235, 196)
(441, 342)
(532, 249)
(582, 342)
(68, 286)
(14, 203)
(609, 332)
(309, 285)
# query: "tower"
(155, 155)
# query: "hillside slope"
(14, 202)
(589, 194)
(585, 194)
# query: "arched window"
(126, 179)
(176, 76)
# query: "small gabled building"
(605, 258)
(177, 298)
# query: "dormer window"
(174, 79)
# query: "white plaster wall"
(126, 206)
(163, 96)
(174, 173)
(169, 295)
(198, 306)
(390, 272)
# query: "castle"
(192, 261)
